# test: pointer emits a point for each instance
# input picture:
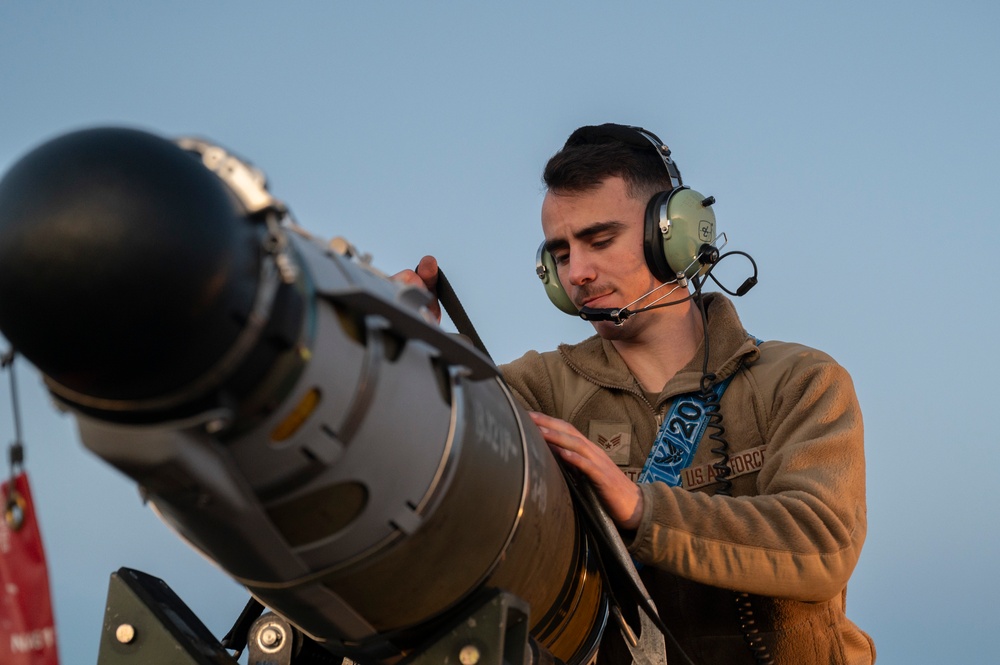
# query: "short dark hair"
(593, 154)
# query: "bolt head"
(469, 655)
(125, 633)
(270, 638)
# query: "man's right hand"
(621, 497)
(426, 277)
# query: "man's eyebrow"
(583, 234)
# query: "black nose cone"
(126, 267)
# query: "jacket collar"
(729, 346)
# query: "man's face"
(595, 238)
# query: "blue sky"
(852, 148)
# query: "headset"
(679, 226)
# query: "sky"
(852, 148)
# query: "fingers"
(427, 270)
(410, 278)
(555, 430)
(548, 422)
(569, 443)
(620, 496)
(425, 276)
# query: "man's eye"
(560, 259)
(601, 244)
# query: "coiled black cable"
(717, 433)
(751, 633)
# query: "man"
(748, 545)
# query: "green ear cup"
(678, 224)
(545, 268)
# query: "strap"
(679, 435)
(449, 300)
(682, 429)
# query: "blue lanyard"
(679, 435)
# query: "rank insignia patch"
(615, 438)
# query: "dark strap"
(449, 301)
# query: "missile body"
(285, 408)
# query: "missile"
(284, 407)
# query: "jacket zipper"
(657, 414)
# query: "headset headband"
(634, 136)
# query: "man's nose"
(581, 271)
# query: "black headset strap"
(636, 137)
(664, 153)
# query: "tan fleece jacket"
(793, 528)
